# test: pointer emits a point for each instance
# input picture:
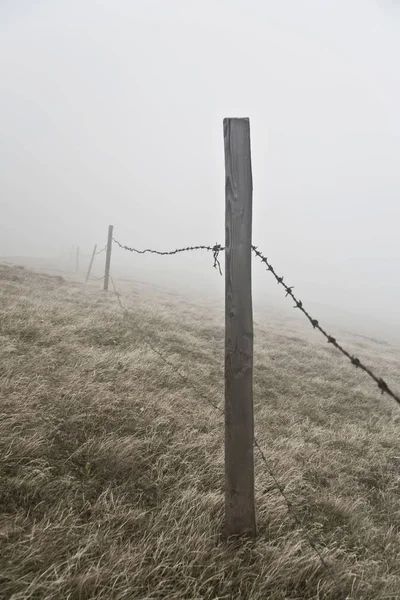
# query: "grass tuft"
(111, 477)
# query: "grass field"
(112, 466)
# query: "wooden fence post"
(108, 257)
(77, 260)
(240, 517)
(91, 263)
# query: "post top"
(236, 119)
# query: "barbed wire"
(216, 249)
(102, 250)
(256, 444)
(296, 518)
(184, 378)
(383, 386)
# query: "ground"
(111, 476)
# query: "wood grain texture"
(240, 518)
(108, 257)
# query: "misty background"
(111, 112)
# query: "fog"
(111, 112)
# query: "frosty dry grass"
(112, 469)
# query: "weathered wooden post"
(240, 517)
(77, 260)
(108, 257)
(91, 263)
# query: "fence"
(240, 516)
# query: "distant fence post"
(91, 263)
(77, 260)
(108, 257)
(240, 517)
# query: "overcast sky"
(111, 112)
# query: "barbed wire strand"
(268, 467)
(184, 378)
(216, 249)
(383, 386)
(102, 250)
(296, 518)
(90, 255)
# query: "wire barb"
(383, 386)
(216, 250)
